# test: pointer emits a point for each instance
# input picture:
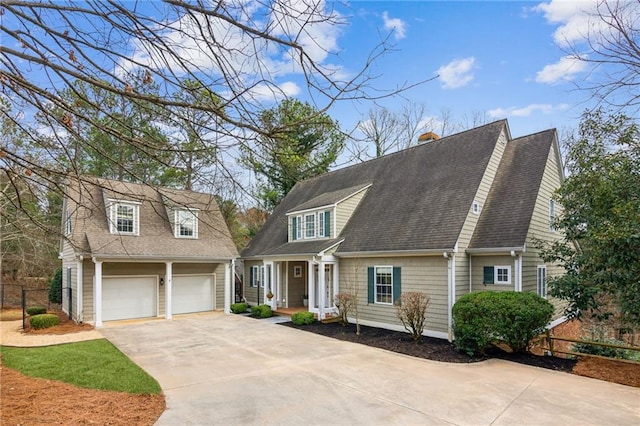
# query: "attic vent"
(428, 137)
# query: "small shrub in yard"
(590, 349)
(55, 287)
(239, 308)
(261, 311)
(411, 309)
(44, 321)
(302, 318)
(507, 316)
(36, 310)
(345, 303)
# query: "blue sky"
(499, 58)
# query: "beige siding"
(539, 229)
(423, 274)
(477, 267)
(88, 269)
(345, 209)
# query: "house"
(135, 251)
(446, 217)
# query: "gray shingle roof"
(156, 239)
(329, 198)
(418, 200)
(505, 218)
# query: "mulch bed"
(442, 350)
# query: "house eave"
(160, 258)
(395, 253)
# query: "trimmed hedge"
(44, 321)
(36, 310)
(239, 308)
(303, 318)
(261, 311)
(510, 317)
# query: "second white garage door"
(192, 294)
(129, 297)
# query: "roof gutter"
(494, 250)
(385, 253)
(159, 258)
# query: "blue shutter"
(327, 223)
(487, 275)
(397, 288)
(294, 228)
(371, 287)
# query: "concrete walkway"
(228, 369)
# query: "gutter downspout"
(97, 293)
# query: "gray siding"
(423, 274)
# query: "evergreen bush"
(303, 318)
(44, 321)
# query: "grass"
(93, 364)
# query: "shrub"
(55, 287)
(587, 348)
(261, 311)
(44, 321)
(239, 308)
(411, 309)
(511, 317)
(302, 318)
(345, 303)
(36, 310)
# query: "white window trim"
(299, 226)
(321, 224)
(256, 277)
(176, 228)
(309, 231)
(495, 275)
(113, 216)
(375, 284)
(544, 283)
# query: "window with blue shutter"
(327, 223)
(370, 285)
(252, 279)
(396, 283)
(487, 275)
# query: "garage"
(192, 293)
(129, 297)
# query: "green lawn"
(94, 364)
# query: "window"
(552, 214)
(255, 276)
(310, 226)
(496, 275)
(475, 208)
(299, 228)
(541, 280)
(321, 224)
(384, 285)
(124, 218)
(186, 224)
(67, 222)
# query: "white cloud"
(457, 73)
(575, 19)
(565, 69)
(527, 110)
(395, 25)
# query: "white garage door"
(129, 297)
(192, 294)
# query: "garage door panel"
(192, 294)
(129, 297)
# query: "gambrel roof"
(419, 198)
(88, 201)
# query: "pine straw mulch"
(34, 401)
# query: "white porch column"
(233, 281)
(228, 287)
(168, 290)
(79, 290)
(336, 282)
(97, 294)
(309, 291)
(322, 291)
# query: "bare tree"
(613, 41)
(249, 54)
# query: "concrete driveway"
(228, 369)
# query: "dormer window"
(310, 225)
(186, 224)
(124, 218)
